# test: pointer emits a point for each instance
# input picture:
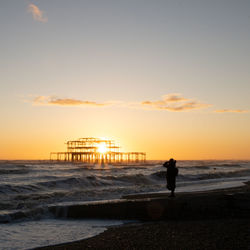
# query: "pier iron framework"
(95, 150)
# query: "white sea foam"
(31, 234)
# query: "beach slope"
(204, 220)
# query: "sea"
(29, 188)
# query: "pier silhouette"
(96, 150)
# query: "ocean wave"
(13, 171)
(14, 188)
(100, 181)
(91, 181)
(6, 169)
(130, 179)
(159, 175)
(28, 214)
(215, 175)
(88, 181)
(210, 166)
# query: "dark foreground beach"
(206, 220)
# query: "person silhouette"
(172, 172)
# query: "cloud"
(37, 14)
(174, 102)
(170, 102)
(53, 100)
(231, 111)
(174, 98)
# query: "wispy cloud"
(174, 102)
(53, 100)
(37, 14)
(231, 111)
(170, 102)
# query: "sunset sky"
(169, 78)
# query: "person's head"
(172, 162)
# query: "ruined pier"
(95, 150)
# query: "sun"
(102, 148)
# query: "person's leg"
(172, 193)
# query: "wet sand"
(225, 225)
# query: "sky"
(169, 78)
